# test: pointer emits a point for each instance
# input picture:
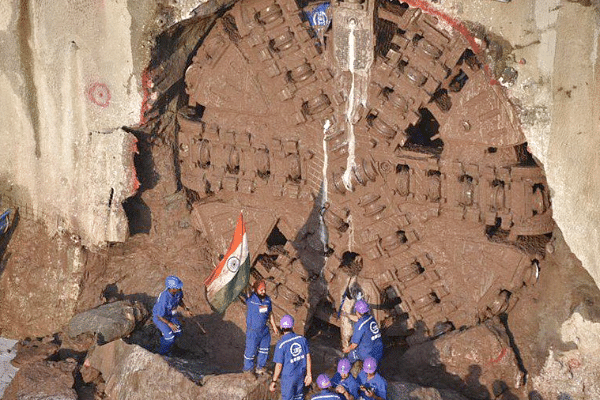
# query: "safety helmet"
(361, 306)
(287, 321)
(323, 381)
(173, 282)
(344, 366)
(370, 365)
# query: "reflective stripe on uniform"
(289, 340)
(364, 322)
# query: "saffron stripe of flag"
(231, 276)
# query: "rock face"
(575, 372)
(41, 282)
(133, 373)
(473, 362)
(109, 321)
(43, 380)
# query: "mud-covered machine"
(372, 155)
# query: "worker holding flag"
(258, 337)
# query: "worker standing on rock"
(372, 385)
(164, 313)
(292, 362)
(344, 382)
(326, 393)
(366, 337)
(258, 337)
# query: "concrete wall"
(70, 77)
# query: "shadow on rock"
(223, 343)
(478, 363)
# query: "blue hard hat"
(173, 282)
(323, 381)
(361, 306)
(287, 321)
(370, 365)
(344, 366)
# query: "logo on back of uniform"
(233, 264)
(320, 19)
(295, 349)
(374, 330)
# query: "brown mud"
(431, 212)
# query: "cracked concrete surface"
(71, 76)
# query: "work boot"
(248, 373)
(260, 371)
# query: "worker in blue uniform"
(366, 337)
(372, 385)
(258, 337)
(344, 382)
(164, 313)
(292, 362)
(326, 392)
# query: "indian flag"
(230, 277)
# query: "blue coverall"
(366, 334)
(349, 383)
(165, 307)
(291, 351)
(326, 394)
(376, 383)
(257, 331)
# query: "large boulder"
(109, 321)
(133, 373)
(43, 380)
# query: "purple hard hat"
(344, 366)
(323, 381)
(370, 365)
(361, 306)
(287, 321)
(173, 282)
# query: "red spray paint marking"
(574, 363)
(500, 356)
(99, 94)
(146, 82)
(427, 8)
